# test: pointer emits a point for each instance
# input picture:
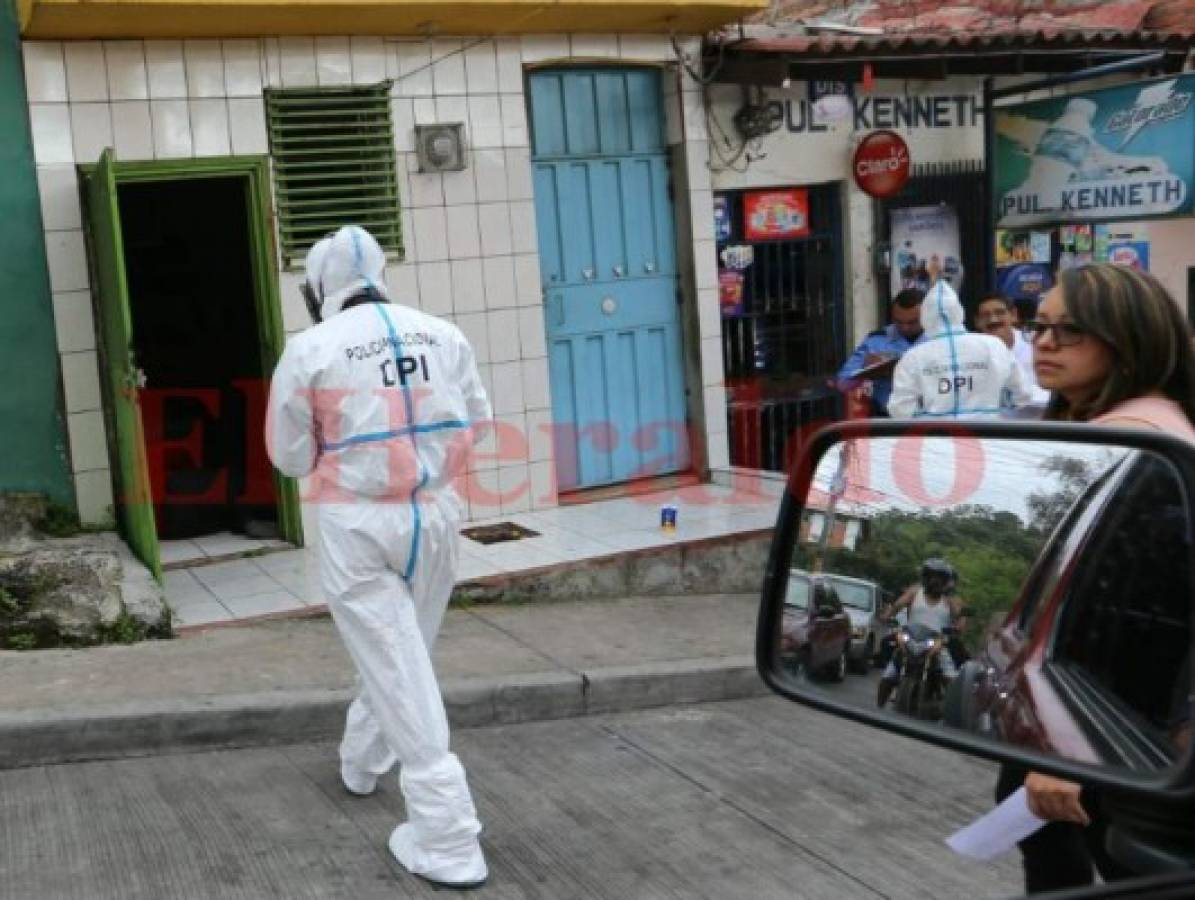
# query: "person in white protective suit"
(380, 403)
(955, 373)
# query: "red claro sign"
(881, 164)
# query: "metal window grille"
(785, 340)
(334, 165)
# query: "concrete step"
(720, 564)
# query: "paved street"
(745, 799)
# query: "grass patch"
(59, 521)
(21, 640)
(125, 630)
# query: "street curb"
(47, 737)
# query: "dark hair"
(908, 298)
(1142, 326)
(1008, 304)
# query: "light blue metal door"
(607, 251)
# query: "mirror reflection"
(1035, 593)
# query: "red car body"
(1086, 662)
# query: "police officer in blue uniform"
(885, 343)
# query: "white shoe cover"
(357, 782)
(467, 873)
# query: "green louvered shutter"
(334, 165)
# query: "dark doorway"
(187, 248)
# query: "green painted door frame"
(265, 277)
(134, 500)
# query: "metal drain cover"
(496, 534)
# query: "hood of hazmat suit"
(343, 265)
(380, 404)
(955, 373)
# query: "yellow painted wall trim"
(24, 13)
(90, 19)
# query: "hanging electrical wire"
(720, 148)
(683, 59)
(439, 59)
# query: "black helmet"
(937, 566)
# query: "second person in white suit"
(954, 373)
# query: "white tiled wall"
(470, 236)
(690, 123)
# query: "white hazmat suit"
(954, 373)
(380, 404)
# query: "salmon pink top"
(1152, 411)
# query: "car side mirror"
(1015, 507)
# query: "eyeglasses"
(1065, 334)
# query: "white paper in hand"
(997, 832)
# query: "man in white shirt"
(996, 316)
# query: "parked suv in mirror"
(862, 600)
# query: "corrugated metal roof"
(914, 42)
(911, 24)
(823, 39)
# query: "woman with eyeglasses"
(1113, 348)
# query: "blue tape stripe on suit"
(397, 433)
(948, 329)
(423, 475)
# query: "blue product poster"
(722, 230)
(1134, 254)
(1026, 281)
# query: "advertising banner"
(722, 220)
(1134, 254)
(1013, 247)
(768, 215)
(1125, 152)
(1024, 281)
(1125, 245)
(925, 245)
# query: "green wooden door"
(134, 502)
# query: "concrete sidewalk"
(289, 681)
(597, 535)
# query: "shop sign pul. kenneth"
(1126, 152)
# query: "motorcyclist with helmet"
(931, 603)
